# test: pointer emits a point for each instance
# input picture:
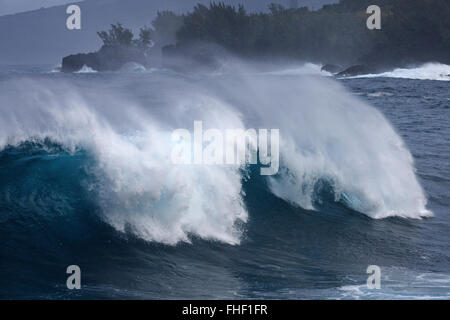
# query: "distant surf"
(428, 71)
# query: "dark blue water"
(51, 217)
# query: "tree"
(116, 36)
(413, 31)
(165, 25)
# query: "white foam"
(428, 71)
(379, 94)
(400, 284)
(86, 69)
(133, 67)
(325, 133)
(56, 69)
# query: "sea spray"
(325, 134)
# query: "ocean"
(86, 179)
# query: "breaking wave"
(327, 137)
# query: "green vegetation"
(412, 31)
(165, 26)
(120, 36)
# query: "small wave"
(133, 67)
(56, 69)
(428, 71)
(86, 69)
(402, 284)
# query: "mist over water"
(428, 71)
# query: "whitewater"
(326, 134)
(87, 154)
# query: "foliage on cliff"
(412, 31)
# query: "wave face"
(136, 185)
(122, 128)
(428, 71)
(86, 69)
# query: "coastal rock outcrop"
(106, 59)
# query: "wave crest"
(325, 134)
(428, 71)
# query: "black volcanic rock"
(108, 58)
(75, 62)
